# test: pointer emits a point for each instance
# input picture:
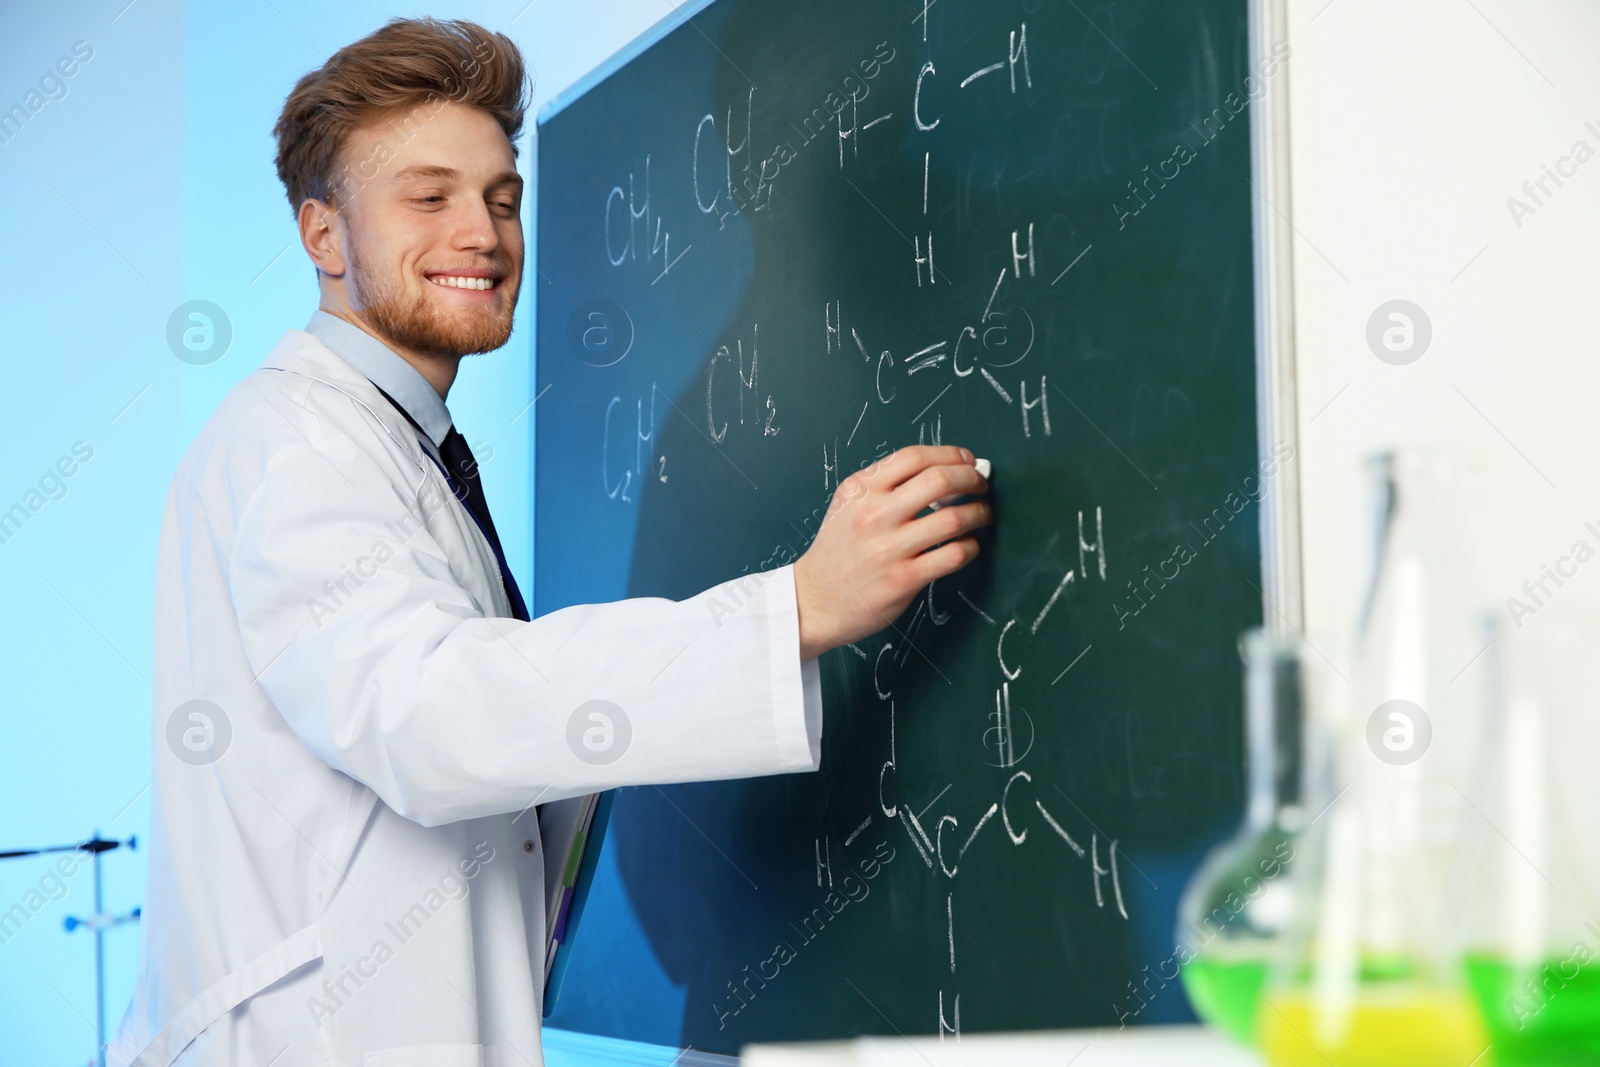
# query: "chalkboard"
(780, 241)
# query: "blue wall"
(93, 224)
(143, 180)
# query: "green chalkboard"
(780, 240)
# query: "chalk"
(945, 501)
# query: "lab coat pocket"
(434, 1056)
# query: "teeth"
(454, 282)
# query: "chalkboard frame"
(1278, 415)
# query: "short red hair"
(410, 66)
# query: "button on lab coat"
(351, 872)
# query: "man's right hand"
(872, 554)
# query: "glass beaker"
(1236, 908)
(1373, 972)
(1533, 958)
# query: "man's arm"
(404, 685)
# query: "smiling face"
(426, 249)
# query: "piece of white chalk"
(983, 469)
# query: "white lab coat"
(357, 879)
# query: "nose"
(475, 230)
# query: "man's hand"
(872, 554)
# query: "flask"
(1533, 958)
(1234, 912)
(1372, 971)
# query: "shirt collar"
(385, 369)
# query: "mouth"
(474, 283)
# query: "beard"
(421, 325)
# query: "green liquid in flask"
(1547, 1015)
(1225, 992)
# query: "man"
(353, 717)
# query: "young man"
(353, 717)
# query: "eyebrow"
(433, 170)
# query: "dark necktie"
(462, 470)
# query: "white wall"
(1412, 124)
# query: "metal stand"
(99, 921)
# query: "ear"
(323, 235)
